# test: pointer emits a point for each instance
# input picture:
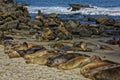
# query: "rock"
(101, 20)
(10, 25)
(85, 32)
(117, 24)
(109, 22)
(90, 19)
(52, 15)
(35, 22)
(69, 25)
(50, 22)
(95, 31)
(78, 6)
(23, 26)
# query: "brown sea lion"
(41, 60)
(37, 54)
(62, 28)
(55, 61)
(93, 65)
(111, 72)
(73, 63)
(89, 60)
(40, 16)
(25, 46)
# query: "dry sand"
(17, 69)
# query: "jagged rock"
(117, 24)
(52, 15)
(110, 22)
(9, 25)
(71, 25)
(85, 32)
(23, 26)
(35, 22)
(78, 6)
(101, 20)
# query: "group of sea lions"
(92, 67)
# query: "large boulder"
(78, 6)
(101, 20)
(71, 25)
(52, 15)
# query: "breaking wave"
(111, 11)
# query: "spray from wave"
(111, 11)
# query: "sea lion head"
(25, 44)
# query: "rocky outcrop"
(76, 7)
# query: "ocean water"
(108, 8)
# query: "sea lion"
(113, 41)
(62, 28)
(73, 63)
(55, 61)
(31, 50)
(105, 47)
(10, 45)
(83, 46)
(93, 65)
(111, 72)
(89, 60)
(41, 60)
(37, 54)
(25, 46)
(107, 72)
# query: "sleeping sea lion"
(111, 72)
(55, 61)
(41, 60)
(31, 50)
(83, 46)
(73, 63)
(37, 54)
(93, 65)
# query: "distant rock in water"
(76, 7)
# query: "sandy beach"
(17, 69)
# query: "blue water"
(108, 8)
(64, 3)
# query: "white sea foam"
(112, 11)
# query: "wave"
(111, 11)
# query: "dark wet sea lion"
(34, 49)
(31, 50)
(3, 37)
(113, 41)
(73, 63)
(55, 61)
